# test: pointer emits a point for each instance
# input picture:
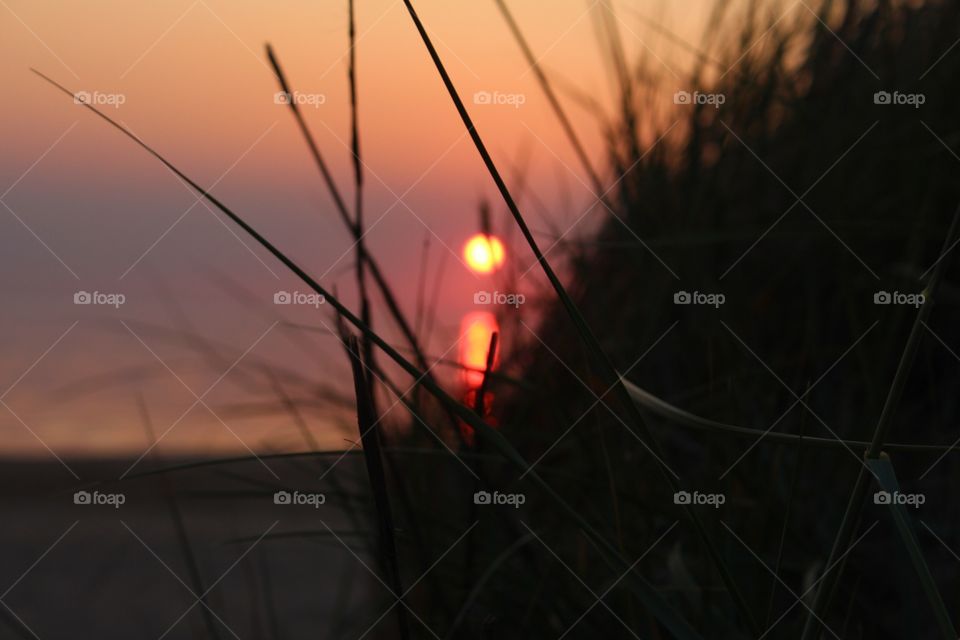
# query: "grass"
(370, 436)
(798, 146)
(643, 589)
(858, 494)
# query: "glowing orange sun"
(483, 253)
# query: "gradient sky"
(85, 209)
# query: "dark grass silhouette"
(798, 199)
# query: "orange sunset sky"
(85, 209)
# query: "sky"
(86, 210)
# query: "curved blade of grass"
(887, 478)
(370, 436)
(603, 365)
(785, 528)
(199, 464)
(479, 406)
(646, 592)
(494, 375)
(684, 418)
(362, 254)
(180, 529)
(548, 91)
(851, 515)
(359, 232)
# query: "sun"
(483, 253)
